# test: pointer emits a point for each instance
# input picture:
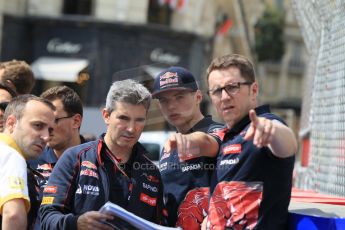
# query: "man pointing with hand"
(251, 187)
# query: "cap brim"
(154, 95)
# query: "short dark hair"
(70, 99)
(245, 66)
(19, 73)
(17, 105)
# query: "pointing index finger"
(253, 117)
(170, 144)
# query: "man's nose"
(171, 104)
(131, 126)
(225, 95)
(45, 134)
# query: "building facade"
(114, 39)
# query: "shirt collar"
(8, 140)
(204, 122)
(48, 155)
(105, 148)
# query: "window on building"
(159, 12)
(296, 61)
(83, 7)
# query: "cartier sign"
(158, 55)
(56, 45)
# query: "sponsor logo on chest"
(50, 189)
(46, 174)
(229, 161)
(47, 200)
(91, 189)
(89, 172)
(152, 201)
(150, 187)
(88, 190)
(232, 149)
(89, 165)
(45, 167)
(190, 167)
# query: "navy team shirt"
(251, 187)
(192, 177)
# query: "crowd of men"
(236, 175)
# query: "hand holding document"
(129, 220)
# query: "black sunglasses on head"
(3, 105)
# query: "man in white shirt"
(29, 120)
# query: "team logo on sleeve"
(235, 205)
(193, 209)
(16, 183)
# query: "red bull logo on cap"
(168, 78)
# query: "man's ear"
(198, 96)
(11, 122)
(77, 119)
(11, 85)
(106, 116)
(255, 89)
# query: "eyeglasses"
(60, 118)
(3, 105)
(231, 88)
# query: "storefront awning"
(58, 69)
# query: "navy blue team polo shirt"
(181, 177)
(251, 187)
(44, 166)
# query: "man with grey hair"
(112, 168)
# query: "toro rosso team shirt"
(85, 178)
(251, 187)
(192, 177)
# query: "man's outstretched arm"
(192, 145)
